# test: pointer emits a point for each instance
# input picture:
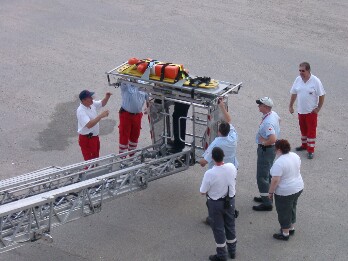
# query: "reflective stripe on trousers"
(308, 126)
(223, 225)
(265, 158)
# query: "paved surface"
(51, 50)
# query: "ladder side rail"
(193, 94)
(194, 132)
(232, 90)
(59, 214)
(166, 123)
(195, 121)
(22, 204)
(40, 201)
(25, 178)
(29, 176)
(55, 181)
(167, 165)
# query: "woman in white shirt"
(286, 186)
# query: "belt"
(266, 147)
(123, 110)
(89, 135)
(219, 199)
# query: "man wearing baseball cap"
(88, 123)
(266, 137)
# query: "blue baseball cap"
(85, 94)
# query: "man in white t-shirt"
(88, 123)
(219, 186)
(310, 93)
(227, 141)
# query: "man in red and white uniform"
(133, 101)
(310, 92)
(88, 123)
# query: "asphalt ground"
(51, 50)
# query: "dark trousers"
(223, 226)
(265, 158)
(180, 110)
(286, 209)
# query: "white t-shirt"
(287, 167)
(84, 115)
(216, 180)
(307, 93)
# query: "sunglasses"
(301, 70)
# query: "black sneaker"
(310, 155)
(217, 258)
(300, 148)
(280, 236)
(263, 207)
(258, 199)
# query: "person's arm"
(292, 101)
(269, 141)
(227, 116)
(106, 98)
(205, 185)
(320, 104)
(274, 183)
(93, 122)
(207, 155)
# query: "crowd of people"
(278, 173)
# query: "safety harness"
(182, 74)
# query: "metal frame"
(51, 178)
(32, 218)
(33, 203)
(203, 96)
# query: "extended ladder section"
(58, 195)
(32, 204)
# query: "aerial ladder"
(33, 203)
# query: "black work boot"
(217, 258)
